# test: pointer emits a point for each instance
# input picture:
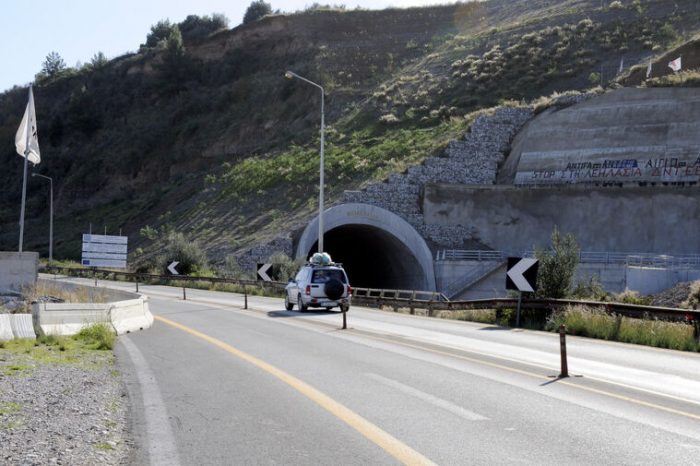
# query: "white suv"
(318, 286)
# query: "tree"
(557, 266)
(98, 60)
(53, 66)
(160, 32)
(195, 28)
(256, 10)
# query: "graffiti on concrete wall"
(677, 168)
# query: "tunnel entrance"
(378, 248)
(372, 258)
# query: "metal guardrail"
(586, 257)
(147, 277)
(429, 300)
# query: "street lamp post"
(50, 214)
(290, 75)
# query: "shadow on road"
(298, 314)
(493, 328)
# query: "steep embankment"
(220, 146)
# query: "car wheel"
(288, 305)
(302, 307)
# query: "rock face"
(473, 160)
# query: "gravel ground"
(56, 409)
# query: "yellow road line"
(541, 377)
(390, 444)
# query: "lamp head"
(289, 75)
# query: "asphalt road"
(211, 383)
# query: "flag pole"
(24, 180)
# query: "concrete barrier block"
(5, 328)
(132, 315)
(68, 318)
(22, 326)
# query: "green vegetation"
(594, 323)
(256, 10)
(97, 337)
(199, 132)
(557, 266)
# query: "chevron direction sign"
(267, 272)
(521, 274)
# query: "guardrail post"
(411, 308)
(137, 284)
(245, 297)
(184, 294)
(345, 320)
(517, 313)
(94, 275)
(562, 345)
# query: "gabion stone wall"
(261, 253)
(471, 160)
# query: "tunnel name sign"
(521, 274)
(104, 251)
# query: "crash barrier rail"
(586, 257)
(628, 310)
(138, 277)
(433, 301)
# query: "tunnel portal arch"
(378, 248)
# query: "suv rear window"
(324, 275)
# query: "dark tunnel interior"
(373, 258)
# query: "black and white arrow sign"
(521, 274)
(172, 269)
(262, 272)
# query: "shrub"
(256, 10)
(97, 336)
(160, 33)
(189, 254)
(557, 266)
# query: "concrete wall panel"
(18, 270)
(660, 220)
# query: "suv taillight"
(308, 290)
(349, 290)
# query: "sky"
(78, 29)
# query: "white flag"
(675, 65)
(28, 126)
(649, 70)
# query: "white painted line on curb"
(160, 440)
(427, 397)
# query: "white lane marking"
(435, 401)
(160, 439)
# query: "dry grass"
(77, 295)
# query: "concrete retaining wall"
(648, 280)
(14, 326)
(18, 270)
(663, 220)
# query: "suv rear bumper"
(321, 302)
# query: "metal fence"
(586, 257)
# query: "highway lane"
(444, 389)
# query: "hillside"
(219, 146)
